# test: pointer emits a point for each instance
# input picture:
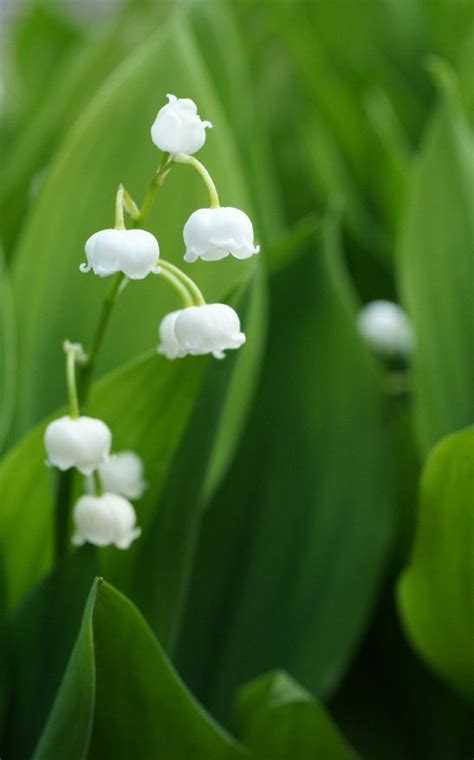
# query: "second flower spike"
(208, 329)
(213, 233)
(135, 253)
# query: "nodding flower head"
(213, 233)
(387, 329)
(178, 127)
(104, 520)
(133, 252)
(82, 442)
(122, 474)
(208, 329)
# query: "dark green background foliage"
(304, 585)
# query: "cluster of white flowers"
(104, 515)
(85, 443)
(209, 234)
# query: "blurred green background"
(285, 481)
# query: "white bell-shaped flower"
(104, 520)
(169, 344)
(178, 127)
(122, 474)
(208, 329)
(133, 252)
(82, 443)
(386, 328)
(213, 233)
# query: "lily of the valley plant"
(104, 515)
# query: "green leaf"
(7, 352)
(37, 137)
(147, 405)
(281, 720)
(436, 591)
(300, 529)
(436, 269)
(119, 679)
(46, 622)
(53, 300)
(43, 40)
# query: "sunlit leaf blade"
(119, 673)
(53, 300)
(280, 720)
(300, 529)
(146, 404)
(436, 591)
(437, 274)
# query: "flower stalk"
(182, 158)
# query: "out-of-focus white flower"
(82, 443)
(386, 328)
(122, 474)
(208, 329)
(133, 252)
(178, 127)
(213, 233)
(104, 520)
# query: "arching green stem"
(176, 271)
(178, 286)
(183, 158)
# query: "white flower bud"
(83, 443)
(386, 328)
(208, 329)
(178, 128)
(122, 474)
(213, 233)
(104, 520)
(133, 252)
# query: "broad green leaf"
(7, 352)
(37, 137)
(391, 706)
(437, 271)
(119, 679)
(108, 144)
(146, 405)
(436, 591)
(281, 720)
(69, 725)
(300, 529)
(42, 635)
(43, 40)
(163, 567)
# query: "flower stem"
(183, 158)
(176, 271)
(106, 311)
(178, 286)
(119, 202)
(74, 411)
(98, 484)
(150, 194)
